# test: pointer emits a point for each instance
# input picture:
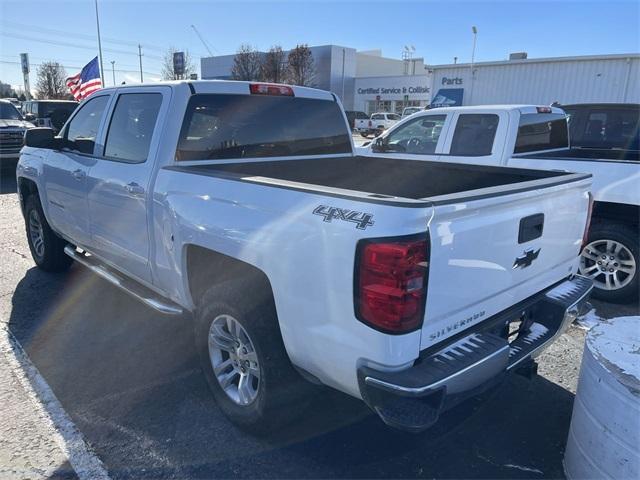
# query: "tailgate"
(492, 252)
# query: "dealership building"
(369, 82)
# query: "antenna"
(202, 40)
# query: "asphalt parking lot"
(129, 380)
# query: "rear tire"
(276, 392)
(47, 248)
(611, 259)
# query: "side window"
(82, 131)
(474, 134)
(418, 136)
(131, 127)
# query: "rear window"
(393, 116)
(605, 128)
(474, 134)
(541, 131)
(361, 116)
(249, 126)
(46, 109)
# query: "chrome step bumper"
(412, 399)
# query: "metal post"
(24, 62)
(140, 57)
(473, 56)
(99, 44)
(113, 71)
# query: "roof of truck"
(523, 108)
(227, 86)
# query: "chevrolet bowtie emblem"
(527, 259)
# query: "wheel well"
(26, 188)
(621, 212)
(207, 268)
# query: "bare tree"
(274, 66)
(7, 90)
(302, 69)
(51, 81)
(246, 63)
(168, 73)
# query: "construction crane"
(202, 40)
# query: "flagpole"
(99, 45)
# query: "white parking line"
(85, 463)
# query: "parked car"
(411, 110)
(537, 137)
(15, 102)
(379, 122)
(395, 281)
(357, 120)
(12, 128)
(48, 113)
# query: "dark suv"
(48, 113)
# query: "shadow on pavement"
(129, 379)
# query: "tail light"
(391, 283)
(585, 235)
(543, 109)
(271, 89)
(370, 123)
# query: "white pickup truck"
(378, 123)
(408, 284)
(526, 136)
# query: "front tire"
(47, 248)
(611, 259)
(244, 359)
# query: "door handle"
(78, 174)
(134, 189)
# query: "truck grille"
(11, 141)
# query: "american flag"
(86, 82)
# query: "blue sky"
(439, 30)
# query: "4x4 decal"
(361, 219)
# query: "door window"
(131, 127)
(474, 134)
(82, 131)
(419, 136)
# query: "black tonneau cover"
(415, 179)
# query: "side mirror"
(428, 123)
(40, 138)
(378, 145)
(29, 117)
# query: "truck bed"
(413, 179)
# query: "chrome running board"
(132, 287)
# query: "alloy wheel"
(234, 360)
(608, 263)
(36, 233)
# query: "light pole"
(99, 44)
(113, 71)
(473, 57)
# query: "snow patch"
(588, 320)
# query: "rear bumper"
(467, 365)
